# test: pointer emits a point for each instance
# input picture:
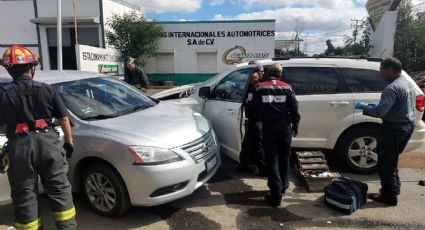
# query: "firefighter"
(252, 147)
(135, 75)
(27, 109)
(278, 113)
(397, 111)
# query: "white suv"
(326, 88)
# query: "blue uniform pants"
(392, 140)
(277, 147)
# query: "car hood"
(164, 125)
(175, 90)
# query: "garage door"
(165, 63)
(207, 62)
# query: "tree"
(351, 47)
(134, 35)
(358, 48)
(409, 42)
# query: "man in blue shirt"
(397, 111)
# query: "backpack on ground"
(346, 195)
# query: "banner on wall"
(95, 59)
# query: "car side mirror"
(204, 92)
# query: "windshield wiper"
(127, 111)
(134, 109)
(100, 117)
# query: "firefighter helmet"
(275, 70)
(18, 55)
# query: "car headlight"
(152, 156)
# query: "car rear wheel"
(104, 191)
(358, 150)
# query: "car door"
(366, 85)
(224, 109)
(322, 105)
(4, 181)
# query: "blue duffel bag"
(346, 195)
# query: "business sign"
(237, 54)
(208, 38)
(376, 9)
(95, 59)
(231, 42)
(111, 70)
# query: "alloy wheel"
(101, 192)
(363, 153)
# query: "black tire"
(366, 160)
(111, 180)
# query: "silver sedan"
(131, 149)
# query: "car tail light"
(420, 103)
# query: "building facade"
(376, 9)
(32, 23)
(193, 51)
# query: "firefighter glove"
(69, 149)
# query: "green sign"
(111, 70)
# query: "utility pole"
(356, 25)
(306, 43)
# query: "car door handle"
(231, 111)
(339, 103)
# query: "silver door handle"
(339, 103)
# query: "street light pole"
(59, 35)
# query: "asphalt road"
(235, 201)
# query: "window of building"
(311, 80)
(86, 36)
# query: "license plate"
(210, 164)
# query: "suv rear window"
(311, 80)
(363, 80)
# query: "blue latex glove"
(372, 104)
(360, 105)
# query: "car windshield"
(218, 77)
(101, 97)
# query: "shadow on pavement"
(232, 190)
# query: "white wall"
(218, 40)
(48, 8)
(15, 26)
(15, 23)
(110, 7)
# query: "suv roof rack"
(374, 59)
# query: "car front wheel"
(358, 150)
(104, 191)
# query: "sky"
(318, 20)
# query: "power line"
(328, 33)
